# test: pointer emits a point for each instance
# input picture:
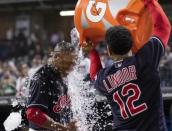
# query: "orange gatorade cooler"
(93, 17)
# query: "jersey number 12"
(129, 104)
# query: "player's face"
(63, 61)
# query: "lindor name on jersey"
(119, 78)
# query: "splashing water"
(83, 98)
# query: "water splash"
(82, 98)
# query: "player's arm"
(95, 63)
(154, 49)
(38, 117)
(162, 27)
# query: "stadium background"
(29, 30)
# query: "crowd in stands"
(166, 68)
(19, 57)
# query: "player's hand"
(87, 46)
(59, 127)
(72, 126)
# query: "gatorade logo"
(95, 11)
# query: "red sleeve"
(162, 26)
(95, 63)
(36, 116)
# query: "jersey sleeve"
(38, 95)
(151, 53)
(99, 82)
(95, 63)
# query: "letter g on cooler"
(93, 17)
(99, 14)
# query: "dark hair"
(119, 40)
(64, 47)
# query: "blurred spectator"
(8, 85)
(166, 68)
(32, 41)
(21, 44)
(36, 64)
(55, 38)
(9, 34)
(21, 81)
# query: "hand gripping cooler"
(93, 17)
